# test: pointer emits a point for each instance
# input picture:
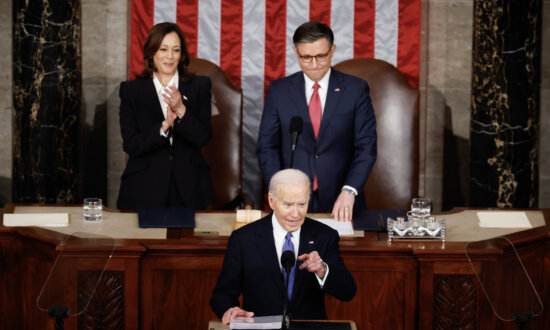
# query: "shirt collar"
(174, 81)
(323, 82)
(279, 231)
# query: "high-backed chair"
(393, 181)
(223, 153)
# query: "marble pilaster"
(505, 102)
(46, 101)
(5, 104)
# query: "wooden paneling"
(455, 302)
(167, 284)
(101, 300)
(190, 290)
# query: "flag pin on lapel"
(311, 242)
(337, 90)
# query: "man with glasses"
(337, 147)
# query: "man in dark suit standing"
(252, 262)
(337, 148)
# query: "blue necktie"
(290, 247)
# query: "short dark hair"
(311, 32)
(152, 45)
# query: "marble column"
(505, 102)
(46, 101)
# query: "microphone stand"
(521, 318)
(60, 313)
(295, 129)
(286, 321)
(294, 138)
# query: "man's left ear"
(333, 49)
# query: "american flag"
(251, 40)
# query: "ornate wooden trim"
(106, 307)
(455, 302)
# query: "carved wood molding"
(455, 302)
(106, 308)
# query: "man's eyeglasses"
(318, 58)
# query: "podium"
(400, 285)
(300, 324)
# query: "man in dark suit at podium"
(337, 148)
(252, 264)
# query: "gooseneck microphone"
(295, 129)
(287, 261)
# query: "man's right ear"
(271, 200)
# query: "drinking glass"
(92, 210)
(432, 223)
(421, 207)
(400, 223)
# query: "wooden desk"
(217, 325)
(157, 283)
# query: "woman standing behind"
(165, 121)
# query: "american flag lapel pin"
(337, 90)
(311, 242)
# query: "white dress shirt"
(160, 91)
(279, 234)
(323, 88)
(323, 91)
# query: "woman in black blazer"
(165, 121)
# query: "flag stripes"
(251, 40)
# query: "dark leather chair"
(393, 181)
(223, 153)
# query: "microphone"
(295, 129)
(287, 261)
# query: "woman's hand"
(169, 121)
(173, 98)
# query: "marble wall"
(544, 117)
(5, 101)
(105, 44)
(445, 101)
(46, 102)
(445, 86)
(505, 101)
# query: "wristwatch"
(349, 191)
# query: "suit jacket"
(345, 150)
(251, 267)
(153, 161)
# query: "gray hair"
(287, 176)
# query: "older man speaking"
(252, 264)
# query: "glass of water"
(92, 210)
(421, 207)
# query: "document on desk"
(36, 219)
(258, 322)
(503, 219)
(344, 228)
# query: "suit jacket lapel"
(150, 94)
(266, 246)
(307, 245)
(184, 89)
(331, 103)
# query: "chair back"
(393, 181)
(223, 152)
